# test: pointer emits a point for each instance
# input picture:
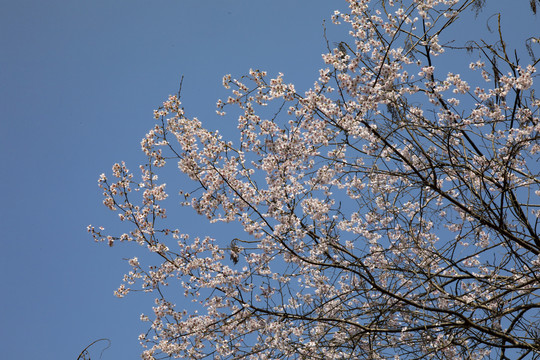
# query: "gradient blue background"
(79, 81)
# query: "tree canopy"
(389, 212)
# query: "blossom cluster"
(389, 212)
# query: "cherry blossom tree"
(389, 212)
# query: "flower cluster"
(384, 215)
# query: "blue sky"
(79, 82)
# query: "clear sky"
(79, 81)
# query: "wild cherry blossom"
(389, 212)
